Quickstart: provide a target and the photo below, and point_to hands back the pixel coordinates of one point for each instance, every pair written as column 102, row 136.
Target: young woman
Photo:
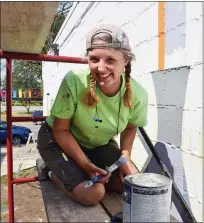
column 91, row 107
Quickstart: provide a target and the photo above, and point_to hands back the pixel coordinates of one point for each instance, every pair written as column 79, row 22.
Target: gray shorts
column 67, row 170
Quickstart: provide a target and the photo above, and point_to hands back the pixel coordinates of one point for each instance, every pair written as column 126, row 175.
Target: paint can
column 147, row 198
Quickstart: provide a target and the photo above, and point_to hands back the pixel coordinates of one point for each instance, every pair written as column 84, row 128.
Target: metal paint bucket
column 147, row 198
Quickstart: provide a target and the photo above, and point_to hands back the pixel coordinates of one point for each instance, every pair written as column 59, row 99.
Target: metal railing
column 11, row 181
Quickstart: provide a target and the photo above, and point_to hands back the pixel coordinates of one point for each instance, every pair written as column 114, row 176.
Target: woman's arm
column 65, row 139
column 126, row 140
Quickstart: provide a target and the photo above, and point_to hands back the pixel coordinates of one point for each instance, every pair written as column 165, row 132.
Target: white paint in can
column 147, row 198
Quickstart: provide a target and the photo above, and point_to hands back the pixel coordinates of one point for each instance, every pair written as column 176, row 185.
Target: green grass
column 4, row 203
column 21, row 114
column 2, row 216
column 23, row 173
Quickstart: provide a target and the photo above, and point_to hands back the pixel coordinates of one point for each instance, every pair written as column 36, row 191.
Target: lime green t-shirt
column 88, row 132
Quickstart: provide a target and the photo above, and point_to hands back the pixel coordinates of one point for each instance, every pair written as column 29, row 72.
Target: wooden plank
column 60, row 208
column 113, row 203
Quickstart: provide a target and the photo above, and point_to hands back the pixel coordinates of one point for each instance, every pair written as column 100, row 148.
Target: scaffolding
column 9, row 56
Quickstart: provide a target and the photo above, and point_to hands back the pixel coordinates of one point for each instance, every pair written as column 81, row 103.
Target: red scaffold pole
column 9, row 139
column 23, row 56
column 41, row 57
column 25, row 180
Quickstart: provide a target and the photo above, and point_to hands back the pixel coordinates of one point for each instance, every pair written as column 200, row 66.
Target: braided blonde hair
column 128, row 91
column 91, row 99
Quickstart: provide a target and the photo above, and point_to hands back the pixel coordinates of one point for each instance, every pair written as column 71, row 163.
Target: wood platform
column 59, row 208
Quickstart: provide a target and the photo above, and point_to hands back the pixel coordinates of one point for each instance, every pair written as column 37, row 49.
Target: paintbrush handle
column 110, row 169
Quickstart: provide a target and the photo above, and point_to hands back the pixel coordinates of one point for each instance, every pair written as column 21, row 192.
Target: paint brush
column 110, row 169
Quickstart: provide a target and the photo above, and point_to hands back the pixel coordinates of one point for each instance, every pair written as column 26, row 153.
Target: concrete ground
column 24, row 155
column 28, row 202
column 21, row 108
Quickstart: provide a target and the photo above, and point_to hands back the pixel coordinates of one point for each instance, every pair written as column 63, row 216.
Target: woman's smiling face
column 106, row 65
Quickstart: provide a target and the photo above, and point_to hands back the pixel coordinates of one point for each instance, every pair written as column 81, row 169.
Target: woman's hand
column 127, row 169
column 93, row 171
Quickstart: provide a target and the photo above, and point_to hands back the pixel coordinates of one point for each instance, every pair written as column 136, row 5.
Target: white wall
column 175, row 99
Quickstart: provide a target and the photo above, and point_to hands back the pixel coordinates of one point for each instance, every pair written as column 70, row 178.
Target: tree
column 28, row 74
column 64, row 7
column 26, row 102
column 3, row 73
column 62, row 11
column 3, row 82
column 2, row 64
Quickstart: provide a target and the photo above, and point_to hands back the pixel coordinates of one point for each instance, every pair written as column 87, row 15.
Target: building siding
column 175, row 91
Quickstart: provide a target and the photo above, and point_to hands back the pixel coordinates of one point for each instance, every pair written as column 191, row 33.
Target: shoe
column 50, row 174
column 45, row 175
column 117, row 218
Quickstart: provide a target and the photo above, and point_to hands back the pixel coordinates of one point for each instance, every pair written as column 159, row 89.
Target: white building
column 164, row 36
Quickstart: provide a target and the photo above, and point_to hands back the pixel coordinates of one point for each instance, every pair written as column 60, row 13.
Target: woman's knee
column 96, row 194
column 89, row 196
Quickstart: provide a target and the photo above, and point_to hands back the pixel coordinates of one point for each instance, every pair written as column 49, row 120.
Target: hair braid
column 128, row 91
column 91, row 98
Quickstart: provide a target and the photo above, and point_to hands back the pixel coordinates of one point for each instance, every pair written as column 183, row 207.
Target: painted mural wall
column 167, row 41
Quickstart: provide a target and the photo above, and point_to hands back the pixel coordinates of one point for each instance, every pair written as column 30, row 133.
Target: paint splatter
column 63, row 175
column 50, row 141
column 60, row 160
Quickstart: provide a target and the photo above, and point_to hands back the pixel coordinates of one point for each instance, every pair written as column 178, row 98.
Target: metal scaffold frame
column 9, row 118
column 11, row 181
